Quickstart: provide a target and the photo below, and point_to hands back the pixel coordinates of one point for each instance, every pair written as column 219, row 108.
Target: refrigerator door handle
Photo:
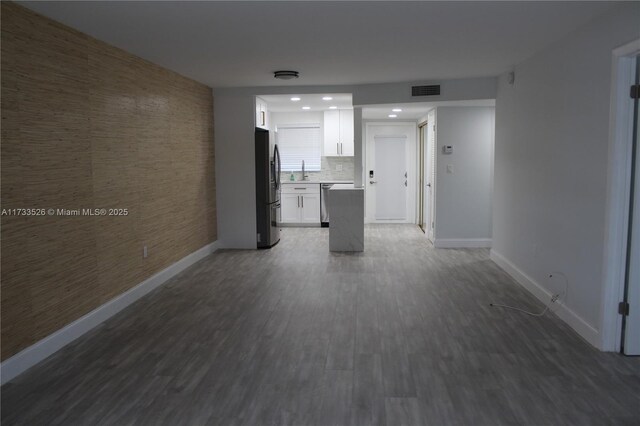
column 278, row 169
column 272, row 164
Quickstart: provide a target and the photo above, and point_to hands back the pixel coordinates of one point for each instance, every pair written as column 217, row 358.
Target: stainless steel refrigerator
column 268, row 168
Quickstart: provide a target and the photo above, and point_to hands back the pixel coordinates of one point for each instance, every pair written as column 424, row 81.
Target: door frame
column 421, row 174
column 425, row 168
column 432, row 168
column 411, row 166
column 618, row 191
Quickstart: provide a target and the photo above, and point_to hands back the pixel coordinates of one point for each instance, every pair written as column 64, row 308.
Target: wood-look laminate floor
column 399, row 335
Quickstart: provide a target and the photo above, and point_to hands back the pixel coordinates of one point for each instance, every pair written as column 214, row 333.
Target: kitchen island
column 346, row 209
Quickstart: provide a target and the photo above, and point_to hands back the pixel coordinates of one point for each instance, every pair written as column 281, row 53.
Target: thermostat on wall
column 447, row 149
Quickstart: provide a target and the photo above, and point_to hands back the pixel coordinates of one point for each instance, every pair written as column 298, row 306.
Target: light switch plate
column 449, row 168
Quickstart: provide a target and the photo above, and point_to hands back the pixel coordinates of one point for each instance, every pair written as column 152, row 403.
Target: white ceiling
column 283, row 103
column 240, row 43
column 415, row 110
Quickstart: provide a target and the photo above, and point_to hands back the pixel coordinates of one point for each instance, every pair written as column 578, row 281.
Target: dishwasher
column 324, row 211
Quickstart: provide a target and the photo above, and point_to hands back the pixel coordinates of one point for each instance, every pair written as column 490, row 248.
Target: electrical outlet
column 449, row 168
column 338, row 167
column 145, row 252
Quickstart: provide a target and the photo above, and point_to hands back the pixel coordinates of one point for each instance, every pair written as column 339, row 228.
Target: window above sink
column 298, row 142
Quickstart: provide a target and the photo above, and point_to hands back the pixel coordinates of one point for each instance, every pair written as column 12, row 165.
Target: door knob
column 428, row 185
column 372, row 181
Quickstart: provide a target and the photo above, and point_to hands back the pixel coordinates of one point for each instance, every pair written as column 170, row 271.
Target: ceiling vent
column 433, row 90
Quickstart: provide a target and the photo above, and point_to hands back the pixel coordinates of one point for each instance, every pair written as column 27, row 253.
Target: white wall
column 424, row 118
column 234, row 132
column 281, row 118
column 464, row 197
column 450, row 90
column 235, row 110
column 551, row 165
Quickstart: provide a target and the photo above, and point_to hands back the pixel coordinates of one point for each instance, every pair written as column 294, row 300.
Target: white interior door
column 431, row 175
column 632, row 321
column 391, row 177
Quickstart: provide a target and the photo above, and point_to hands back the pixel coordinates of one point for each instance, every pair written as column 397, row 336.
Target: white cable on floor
column 521, row 310
column 554, row 299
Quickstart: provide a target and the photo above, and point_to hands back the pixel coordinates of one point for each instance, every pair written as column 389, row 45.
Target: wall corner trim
column 462, row 242
column 584, row 329
column 40, row 350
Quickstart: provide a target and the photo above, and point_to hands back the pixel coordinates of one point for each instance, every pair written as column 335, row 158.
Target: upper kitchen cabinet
column 261, row 114
column 338, row 133
column 346, row 132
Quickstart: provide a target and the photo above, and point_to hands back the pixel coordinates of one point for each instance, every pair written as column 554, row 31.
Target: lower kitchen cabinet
column 290, row 208
column 300, row 204
column 310, row 208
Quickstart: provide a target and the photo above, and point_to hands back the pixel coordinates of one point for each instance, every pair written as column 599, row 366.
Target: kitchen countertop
column 297, row 182
column 345, row 186
column 338, row 182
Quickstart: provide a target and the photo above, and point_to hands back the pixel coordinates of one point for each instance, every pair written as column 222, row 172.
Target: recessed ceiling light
column 392, row 116
column 306, row 107
column 327, row 98
column 295, row 99
column 333, row 107
column 396, row 110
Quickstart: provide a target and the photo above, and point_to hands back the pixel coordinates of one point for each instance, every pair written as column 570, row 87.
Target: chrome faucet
column 304, row 175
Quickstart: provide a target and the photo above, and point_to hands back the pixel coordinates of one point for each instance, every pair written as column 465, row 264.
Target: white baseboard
column 583, row 328
column 40, row 350
column 462, row 242
column 368, row 221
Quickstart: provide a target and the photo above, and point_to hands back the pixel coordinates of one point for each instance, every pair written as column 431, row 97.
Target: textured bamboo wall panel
column 86, row 125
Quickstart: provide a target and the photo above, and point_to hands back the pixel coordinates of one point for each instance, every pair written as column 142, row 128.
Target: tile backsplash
column 328, row 170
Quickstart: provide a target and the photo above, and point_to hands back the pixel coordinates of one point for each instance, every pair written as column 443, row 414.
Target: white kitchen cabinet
column 331, row 133
column 310, row 208
column 338, row 133
column 289, row 208
column 261, row 114
column 346, row 132
column 300, row 204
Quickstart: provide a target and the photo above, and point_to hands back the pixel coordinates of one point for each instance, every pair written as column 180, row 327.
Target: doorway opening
column 390, row 173
column 417, row 121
